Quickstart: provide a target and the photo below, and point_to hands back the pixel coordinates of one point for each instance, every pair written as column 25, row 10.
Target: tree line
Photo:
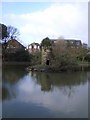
column 61, row 56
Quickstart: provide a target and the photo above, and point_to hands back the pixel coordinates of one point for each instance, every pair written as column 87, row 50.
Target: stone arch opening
column 47, row 62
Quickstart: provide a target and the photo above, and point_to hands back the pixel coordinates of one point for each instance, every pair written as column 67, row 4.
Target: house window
column 77, row 43
column 72, row 42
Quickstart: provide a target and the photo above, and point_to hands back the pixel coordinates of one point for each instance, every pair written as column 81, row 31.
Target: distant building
column 33, row 48
column 85, row 45
column 46, row 52
column 74, row 43
column 69, row 42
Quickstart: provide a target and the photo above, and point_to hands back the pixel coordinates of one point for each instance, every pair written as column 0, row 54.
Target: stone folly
column 45, row 56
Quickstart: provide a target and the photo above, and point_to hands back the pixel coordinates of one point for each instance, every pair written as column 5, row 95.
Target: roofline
column 65, row 39
column 17, row 41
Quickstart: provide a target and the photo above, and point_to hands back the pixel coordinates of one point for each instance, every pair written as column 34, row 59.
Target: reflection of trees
column 88, row 74
column 45, row 83
column 69, row 91
column 7, row 91
column 11, row 75
column 65, row 81
column 0, row 93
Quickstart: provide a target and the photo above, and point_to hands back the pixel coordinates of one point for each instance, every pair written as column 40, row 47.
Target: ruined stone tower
column 45, row 55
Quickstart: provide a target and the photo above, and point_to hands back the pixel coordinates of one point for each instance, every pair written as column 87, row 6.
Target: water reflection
column 10, row 76
column 48, row 81
column 44, row 94
column 12, row 73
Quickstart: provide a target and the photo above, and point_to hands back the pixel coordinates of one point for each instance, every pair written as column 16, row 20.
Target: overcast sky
column 37, row 20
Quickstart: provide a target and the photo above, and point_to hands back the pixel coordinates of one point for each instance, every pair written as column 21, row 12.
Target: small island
column 58, row 55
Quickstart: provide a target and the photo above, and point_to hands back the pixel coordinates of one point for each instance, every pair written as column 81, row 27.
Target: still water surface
column 44, row 95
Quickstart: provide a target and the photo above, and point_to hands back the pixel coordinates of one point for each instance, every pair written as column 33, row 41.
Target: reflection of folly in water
column 63, row 81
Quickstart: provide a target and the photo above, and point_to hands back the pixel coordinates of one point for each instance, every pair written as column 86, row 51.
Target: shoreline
column 37, row 68
column 16, row 63
column 80, row 67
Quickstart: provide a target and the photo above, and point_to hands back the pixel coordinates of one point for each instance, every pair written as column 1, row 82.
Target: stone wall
column 45, row 55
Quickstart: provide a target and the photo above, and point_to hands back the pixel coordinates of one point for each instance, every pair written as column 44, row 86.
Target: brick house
column 13, row 45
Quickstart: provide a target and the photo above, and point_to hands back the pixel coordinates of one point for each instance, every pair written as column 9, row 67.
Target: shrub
column 18, row 56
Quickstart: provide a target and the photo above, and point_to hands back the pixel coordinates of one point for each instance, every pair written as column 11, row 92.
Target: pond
column 44, row 95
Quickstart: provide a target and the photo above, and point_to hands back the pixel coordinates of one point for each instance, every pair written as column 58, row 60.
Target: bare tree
column 59, row 48
column 12, row 32
column 61, row 37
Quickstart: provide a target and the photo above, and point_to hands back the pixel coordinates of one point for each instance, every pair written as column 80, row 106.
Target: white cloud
column 67, row 19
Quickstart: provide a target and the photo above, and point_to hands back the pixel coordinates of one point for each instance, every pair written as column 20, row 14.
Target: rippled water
column 44, row 95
